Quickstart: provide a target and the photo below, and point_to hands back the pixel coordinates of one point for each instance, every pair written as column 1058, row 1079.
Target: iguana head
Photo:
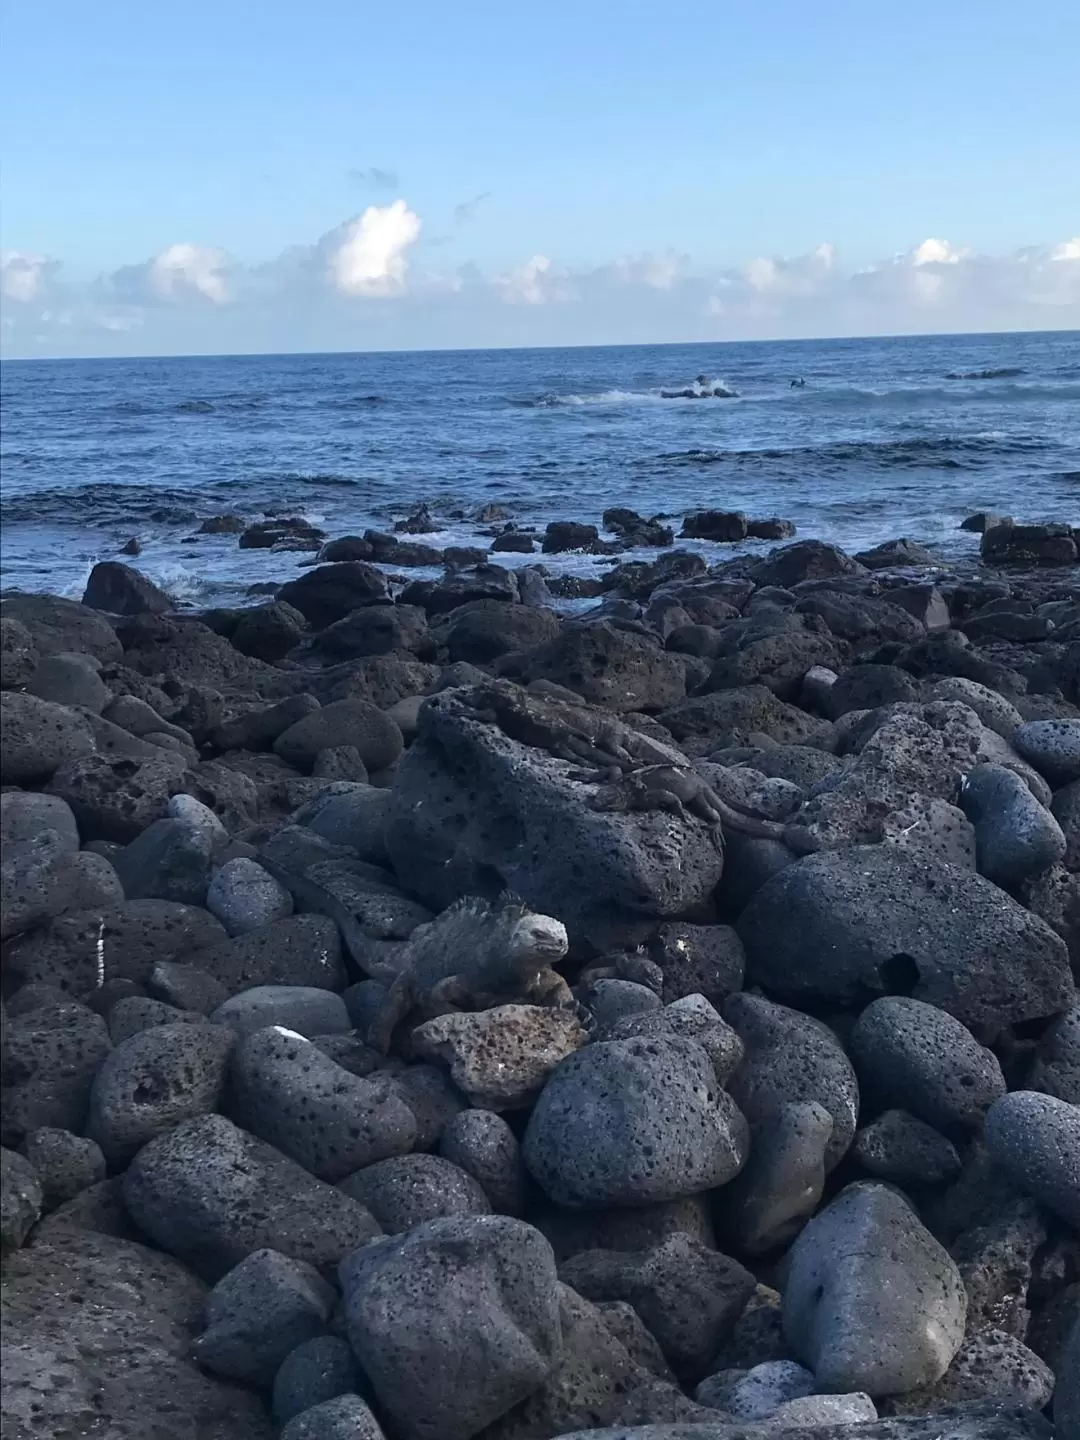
column 538, row 939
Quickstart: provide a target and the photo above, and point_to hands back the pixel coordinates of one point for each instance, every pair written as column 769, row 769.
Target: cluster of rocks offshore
column 430, row 1014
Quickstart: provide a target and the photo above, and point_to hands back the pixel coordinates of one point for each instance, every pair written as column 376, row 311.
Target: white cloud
column 534, row 283
column 186, row 267
column 22, row 276
column 936, row 252
column 371, row 258
column 1067, row 250
column 657, row 272
column 800, row 276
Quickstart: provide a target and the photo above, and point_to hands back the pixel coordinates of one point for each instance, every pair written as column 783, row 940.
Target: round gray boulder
column 1016, row 838
column 455, row 1323
column 245, row 897
column 358, row 723
column 1036, row 1140
column 1053, row 747
column 872, row 1302
column 37, row 737
column 482, row 1144
column 406, row 1190
column 632, row 1122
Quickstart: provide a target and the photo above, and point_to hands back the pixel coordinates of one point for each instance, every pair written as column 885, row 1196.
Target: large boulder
column 71, row 680
column 62, row 627
column 805, row 560
column 18, row 653
column 474, row 810
column 97, row 1335
column 210, row 1194
column 872, row 1302
column 634, row 1122
column 872, row 919
column 618, row 669
column 1035, row 1139
column 485, row 629
column 37, row 737
column 120, row 590
column 455, row 1323
column 707, row 721
column 116, row 799
column 374, row 736
column 328, row 592
column 1028, row 545
column 51, row 1054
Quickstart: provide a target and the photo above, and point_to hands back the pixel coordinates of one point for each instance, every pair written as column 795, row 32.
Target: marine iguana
column 686, row 793
column 471, row 957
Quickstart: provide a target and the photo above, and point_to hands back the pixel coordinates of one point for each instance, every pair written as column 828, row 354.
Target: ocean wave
column 351, row 402
column 664, row 396
column 194, row 407
column 1000, row 372
column 106, row 505
column 950, row 452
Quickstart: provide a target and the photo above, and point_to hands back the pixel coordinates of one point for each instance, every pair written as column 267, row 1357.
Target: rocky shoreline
column 432, row 1010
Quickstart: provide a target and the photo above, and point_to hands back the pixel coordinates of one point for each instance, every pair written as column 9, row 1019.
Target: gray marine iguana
column 471, row 957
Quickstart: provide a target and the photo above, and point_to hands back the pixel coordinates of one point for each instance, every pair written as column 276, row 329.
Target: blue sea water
column 887, row 437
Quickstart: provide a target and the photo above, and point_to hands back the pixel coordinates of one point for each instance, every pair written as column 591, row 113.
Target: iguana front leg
column 548, row 987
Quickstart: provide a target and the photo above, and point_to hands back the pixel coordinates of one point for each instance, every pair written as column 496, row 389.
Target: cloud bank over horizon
column 368, row 284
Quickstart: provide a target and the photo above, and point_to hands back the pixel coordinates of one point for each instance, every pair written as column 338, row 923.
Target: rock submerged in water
column 668, row 1129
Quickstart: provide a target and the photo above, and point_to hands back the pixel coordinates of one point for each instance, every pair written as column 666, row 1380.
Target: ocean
column 884, row 437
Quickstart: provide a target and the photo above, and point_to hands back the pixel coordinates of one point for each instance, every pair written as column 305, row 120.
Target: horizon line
column 500, row 349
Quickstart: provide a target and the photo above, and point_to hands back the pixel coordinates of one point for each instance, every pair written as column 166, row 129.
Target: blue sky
column 241, row 140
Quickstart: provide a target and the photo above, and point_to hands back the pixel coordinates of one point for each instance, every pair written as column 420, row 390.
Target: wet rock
column 120, row 590
column 704, row 960
column 805, row 560
column 1056, row 1069
column 629, row 1122
column 65, row 1164
column 245, row 897
column 407, row 1190
column 51, row 1055
column 1035, row 1139
column 306, row 1009
column 20, row 1200
column 792, row 1057
column 459, row 587
column 346, row 547
column 563, row 535
column 170, row 860
column 482, row 1144
column 447, row 1360
column 1053, row 747
column 223, row 525
column 97, row 1333
column 317, row 1370
column 915, row 1057
column 772, row 1198
column 346, row 1417
column 300, row 950
column 70, row 680
column 18, row 654
column 269, row 632
column 288, row 1093
column 907, row 1152
column 345, row 722
column 893, row 553
column 513, row 541
column 259, row 1312
column 62, row 627
column 210, row 1194
column 872, row 1301
column 116, row 799
column 1016, row 838
column 328, row 592
column 279, row 530
column 721, row 525
column 500, row 1058
column 688, row 1295
column 1028, row 545
column 845, row 923
column 38, row 737
column 154, row 1081
column 771, row 528
column 615, row 668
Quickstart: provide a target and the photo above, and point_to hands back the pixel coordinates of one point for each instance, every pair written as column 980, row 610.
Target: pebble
column 245, row 897
column 305, row 1009
column 872, row 1302
column 153, row 1081
column 912, row 1056
column 287, row 1092
column 629, row 1122
column 210, row 1194
column 449, row 1359
column 318, row 1370
column 406, row 1190
column 258, row 1313
column 1035, row 1139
